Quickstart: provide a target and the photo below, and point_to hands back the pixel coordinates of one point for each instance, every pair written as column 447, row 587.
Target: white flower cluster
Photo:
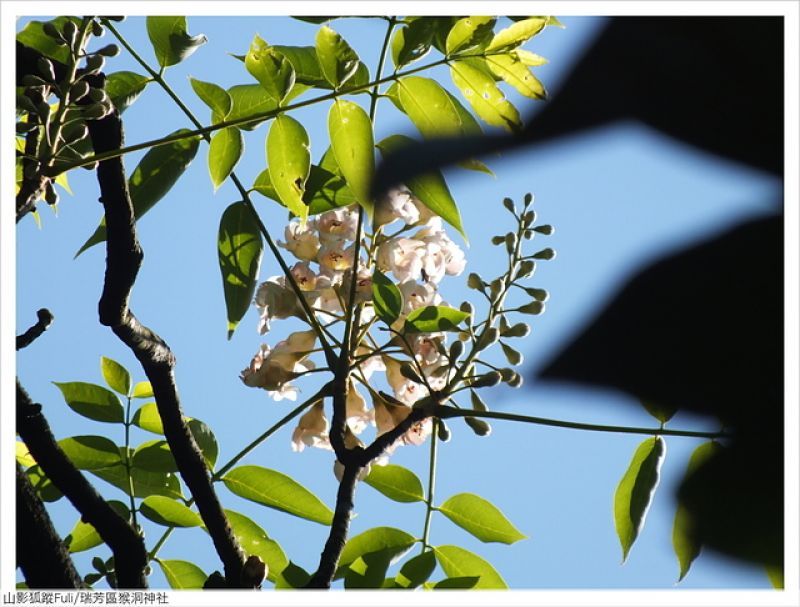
column 325, row 248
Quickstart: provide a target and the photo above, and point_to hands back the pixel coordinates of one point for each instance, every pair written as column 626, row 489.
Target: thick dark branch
column 127, row 545
column 42, row 556
column 26, row 339
column 123, row 259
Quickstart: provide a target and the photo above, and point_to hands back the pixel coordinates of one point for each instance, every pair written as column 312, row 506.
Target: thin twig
column 45, row 318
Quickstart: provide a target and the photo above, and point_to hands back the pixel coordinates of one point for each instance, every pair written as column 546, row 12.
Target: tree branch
column 123, row 259
column 127, row 545
column 26, row 339
column 41, row 554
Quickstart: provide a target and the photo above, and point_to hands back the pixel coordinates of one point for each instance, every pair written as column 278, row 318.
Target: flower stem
column 431, row 486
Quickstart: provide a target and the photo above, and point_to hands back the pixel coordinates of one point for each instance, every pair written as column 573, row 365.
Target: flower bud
column 70, row 31
column 535, row 307
column 79, row 90
column 508, row 204
column 443, row 431
column 475, row 282
column 512, row 356
column 526, row 269
column 489, row 336
column 94, row 112
column 547, row 253
column 456, row 350
column 528, row 218
column 492, row 378
column 45, row 67
column 407, row 371
column 215, row 581
column 467, row 308
column 77, row 134
column 95, row 63
column 519, row 329
column 539, row 294
column 51, row 30
column 50, row 194
column 507, row 374
column 498, row 240
column 495, row 286
column 110, row 50
column 97, row 29
column 528, row 199
column 97, row 95
column 253, row 572
column 546, row 229
column 516, row 381
column 477, row 401
column 527, row 234
column 511, row 242
column 479, row 427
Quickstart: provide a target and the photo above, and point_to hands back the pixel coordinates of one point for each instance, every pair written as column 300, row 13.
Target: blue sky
column 618, row 197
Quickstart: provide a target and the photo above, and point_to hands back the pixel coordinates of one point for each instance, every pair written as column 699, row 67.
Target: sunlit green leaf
column 337, row 60
column 124, row 87
column 396, row 482
column 271, row 68
column 305, row 63
column 481, row 518
column 23, row 456
column 468, row 33
column 145, row 482
column 171, row 42
column 92, row 401
column 369, row 570
column 466, row 582
column 254, row 540
column 459, row 563
column 431, row 319
column 157, row 172
column 516, row 34
column 240, row 249
column 416, row 571
column 116, row 376
column 154, row 456
column 352, row 142
column 276, row 490
column 289, row 162
column 387, row 300
column 635, row 491
column 85, row 537
column 684, row 540
column 483, row 94
column 441, row 29
column 529, row 58
column 661, row 412
column 517, row 74
column 148, row 418
column 143, row 389
column 248, row 100
column 411, row 42
column 182, row 575
column 215, row 97
column 43, row 486
column 33, row 36
column 377, row 539
column 90, row 452
column 224, row 152
column 430, row 107
column 169, row 512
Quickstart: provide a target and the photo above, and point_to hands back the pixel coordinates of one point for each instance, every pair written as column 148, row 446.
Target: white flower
column 274, row 300
column 338, row 223
column 405, row 390
column 334, row 255
column 312, row 429
column 401, row 256
column 416, row 295
column 301, row 241
column 442, row 255
column 304, row 276
column 272, row 370
column 357, row 414
column 396, row 204
column 369, row 365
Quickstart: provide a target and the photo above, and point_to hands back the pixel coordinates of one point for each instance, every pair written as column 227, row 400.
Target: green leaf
column 368, row 570
column 483, row 94
column 480, row 518
column 289, row 162
column 92, row 401
column 468, row 33
column 684, row 539
column 662, row 413
column 43, row 486
column 337, row 60
column 412, row 42
column 377, row 539
column 148, row 418
column 254, row 540
column 430, row 188
column 124, row 88
column 205, row 439
column 416, row 571
column 441, row 29
column 171, row 42
column 271, row 68
column 157, row 172
column 145, row 482
column 387, row 301
column 169, row 512
column 516, row 34
column 276, row 490
column 90, row 452
column 305, row 63
column 529, row 58
column 215, row 97
column 396, row 482
column 224, row 152
column 240, row 249
column 154, row 456
column 431, row 319
column 116, row 376
column 457, row 583
column 430, row 107
column 517, row 74
column 33, row 36
column 353, row 146
column 459, row 563
column 23, row 456
column 292, row 576
column 182, row 575
column 775, row 576
column 85, row 537
column 635, row 491
column 248, row 100
column 143, row 389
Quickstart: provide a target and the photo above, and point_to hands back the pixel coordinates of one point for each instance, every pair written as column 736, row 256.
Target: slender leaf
column 396, row 482
column 205, row 439
column 145, row 482
column 480, row 518
column 92, row 401
column 387, row 300
column 224, row 152
column 124, row 88
column 289, row 162
column 156, row 173
column 684, row 540
column 468, row 33
column 215, row 97
column 182, row 575
column 635, row 491
column 431, row 319
column 154, row 456
column 90, row 452
column 271, row 68
column 240, row 249
column 430, row 107
column 412, row 42
column 337, row 60
column 529, row 58
column 143, row 389
column 276, row 490
column 459, row 563
column 483, row 94
column 169, row 512
column 148, row 418
column 254, row 540
column 416, row 571
column 516, row 34
column 116, row 376
column 171, row 42
column 85, row 537
column 517, row 74
column 377, row 539
column 353, row 146
column 23, row 456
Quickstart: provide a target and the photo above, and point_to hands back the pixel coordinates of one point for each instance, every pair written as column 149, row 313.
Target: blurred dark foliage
column 702, row 329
